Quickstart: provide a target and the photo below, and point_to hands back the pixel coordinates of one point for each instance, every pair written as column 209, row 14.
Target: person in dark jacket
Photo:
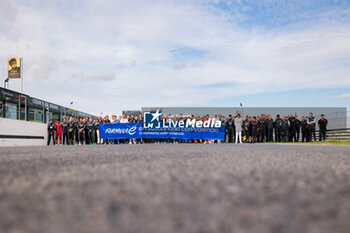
column 86, row 131
column 269, row 128
column 229, row 129
column 322, row 124
column 51, row 129
column 81, row 131
column 262, row 128
column 64, row 132
column 285, row 129
column 297, row 127
column 90, row 127
column 304, row 130
column 311, row 122
column 71, row 131
column 292, row 128
column 245, row 129
column 254, row 126
column 278, row 128
column 76, row 134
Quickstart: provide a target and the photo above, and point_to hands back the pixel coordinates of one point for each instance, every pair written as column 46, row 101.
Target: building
column 15, row 105
column 337, row 116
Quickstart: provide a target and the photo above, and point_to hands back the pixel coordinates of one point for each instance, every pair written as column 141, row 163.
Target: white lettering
column 199, row 124
column 181, row 124
column 217, row 124
column 190, row 123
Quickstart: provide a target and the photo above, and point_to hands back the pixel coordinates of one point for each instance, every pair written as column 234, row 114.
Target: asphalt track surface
column 175, row 188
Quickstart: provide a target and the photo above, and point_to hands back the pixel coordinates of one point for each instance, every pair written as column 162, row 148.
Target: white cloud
column 96, row 77
column 342, row 96
column 82, row 46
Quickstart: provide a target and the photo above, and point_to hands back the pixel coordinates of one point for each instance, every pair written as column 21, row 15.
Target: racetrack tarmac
column 169, row 188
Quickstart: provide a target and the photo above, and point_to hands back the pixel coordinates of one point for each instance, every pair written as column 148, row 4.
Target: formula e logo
column 151, row 119
column 132, row 130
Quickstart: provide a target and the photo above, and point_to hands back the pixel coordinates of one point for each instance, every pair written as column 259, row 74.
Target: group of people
column 250, row 129
column 264, row 128
column 83, row 131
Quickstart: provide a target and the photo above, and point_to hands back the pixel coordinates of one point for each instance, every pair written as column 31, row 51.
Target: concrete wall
column 22, row 133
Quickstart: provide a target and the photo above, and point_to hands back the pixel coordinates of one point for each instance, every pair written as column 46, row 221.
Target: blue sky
column 108, row 56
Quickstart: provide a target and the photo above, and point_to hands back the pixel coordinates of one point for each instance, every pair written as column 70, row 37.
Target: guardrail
column 338, row 134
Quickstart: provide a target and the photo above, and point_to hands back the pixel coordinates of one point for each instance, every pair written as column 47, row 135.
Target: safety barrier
column 338, row 134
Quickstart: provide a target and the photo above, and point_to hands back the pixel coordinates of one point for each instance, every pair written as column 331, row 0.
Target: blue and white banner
column 164, row 131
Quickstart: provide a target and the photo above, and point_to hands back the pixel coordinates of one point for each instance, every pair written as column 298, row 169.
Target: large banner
column 136, row 130
column 14, row 67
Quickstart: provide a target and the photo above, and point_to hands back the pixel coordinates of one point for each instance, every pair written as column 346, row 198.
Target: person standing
column 58, row 131
column 304, row 129
column 311, row 122
column 71, row 131
column 229, row 129
column 124, row 119
column 254, row 126
column 322, row 125
column 65, row 131
column 278, row 128
column 81, row 131
column 238, row 126
column 76, row 134
column 285, row 128
column 297, row 127
column 292, row 128
column 86, row 132
column 98, row 122
column 262, row 126
column 223, row 122
column 245, row 129
column 269, row 127
column 90, row 131
column 51, row 128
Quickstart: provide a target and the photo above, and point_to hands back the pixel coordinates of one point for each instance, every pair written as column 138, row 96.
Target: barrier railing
column 338, row 134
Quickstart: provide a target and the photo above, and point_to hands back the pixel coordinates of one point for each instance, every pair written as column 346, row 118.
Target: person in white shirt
column 238, row 126
column 114, row 119
column 124, row 119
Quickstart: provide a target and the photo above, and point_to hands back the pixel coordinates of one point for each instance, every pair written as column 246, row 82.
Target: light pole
column 70, row 108
column 6, row 83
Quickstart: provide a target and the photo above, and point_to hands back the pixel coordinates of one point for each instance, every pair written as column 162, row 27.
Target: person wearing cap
column 322, row 124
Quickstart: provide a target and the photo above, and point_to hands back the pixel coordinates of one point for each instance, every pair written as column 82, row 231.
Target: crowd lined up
column 250, row 129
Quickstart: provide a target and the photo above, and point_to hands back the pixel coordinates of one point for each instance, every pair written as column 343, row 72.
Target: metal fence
column 338, row 134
